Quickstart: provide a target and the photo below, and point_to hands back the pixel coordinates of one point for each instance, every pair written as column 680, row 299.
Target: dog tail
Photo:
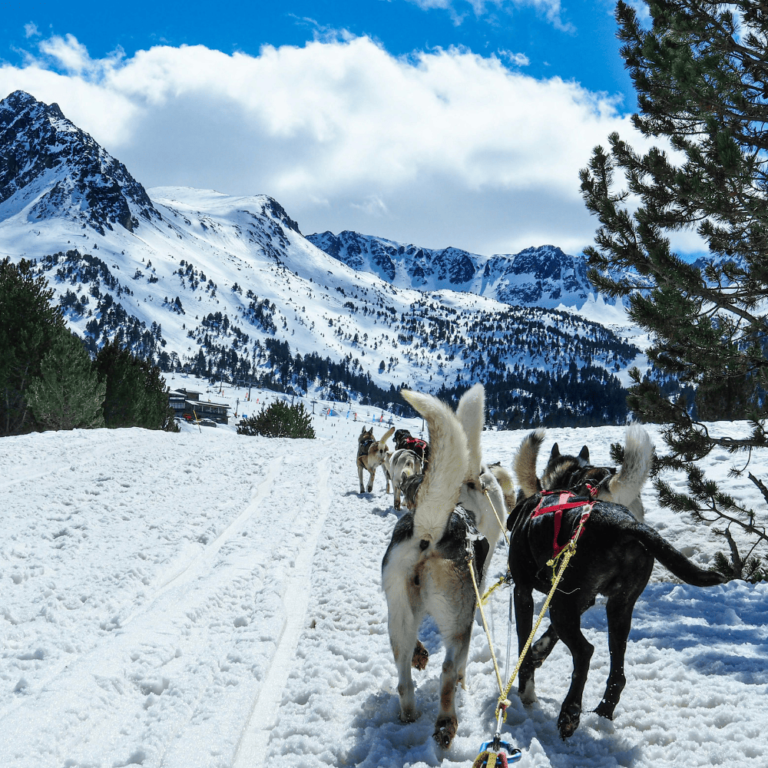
column 625, row 486
column 504, row 478
column 524, row 463
column 674, row 560
column 471, row 414
column 387, row 435
column 439, row 491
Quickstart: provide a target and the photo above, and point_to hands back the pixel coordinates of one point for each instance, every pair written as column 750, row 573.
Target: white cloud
column 515, row 59
column 549, row 8
column 30, row 30
column 440, row 148
column 67, row 53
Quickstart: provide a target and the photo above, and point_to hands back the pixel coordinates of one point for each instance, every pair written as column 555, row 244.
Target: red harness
column 415, row 445
column 566, row 500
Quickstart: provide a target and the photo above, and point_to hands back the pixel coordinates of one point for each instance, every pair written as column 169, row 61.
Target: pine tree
column 136, row 395
column 279, row 420
column 68, row 394
column 29, row 322
column 700, row 75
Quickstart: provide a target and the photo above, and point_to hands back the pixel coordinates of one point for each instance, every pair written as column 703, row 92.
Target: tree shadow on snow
column 680, row 617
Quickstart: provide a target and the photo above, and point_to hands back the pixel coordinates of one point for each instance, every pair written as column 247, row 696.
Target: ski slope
column 209, row 600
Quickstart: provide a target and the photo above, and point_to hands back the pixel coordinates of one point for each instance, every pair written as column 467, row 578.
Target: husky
column 404, row 439
column 426, row 569
column 404, row 463
column 614, row 557
column 573, row 472
column 371, row 454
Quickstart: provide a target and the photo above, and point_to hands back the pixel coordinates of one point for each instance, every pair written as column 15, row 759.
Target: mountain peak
column 49, row 168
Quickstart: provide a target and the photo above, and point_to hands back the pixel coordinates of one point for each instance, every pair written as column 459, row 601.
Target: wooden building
column 188, row 405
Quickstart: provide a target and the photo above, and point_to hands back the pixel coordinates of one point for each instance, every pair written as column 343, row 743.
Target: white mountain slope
column 228, row 286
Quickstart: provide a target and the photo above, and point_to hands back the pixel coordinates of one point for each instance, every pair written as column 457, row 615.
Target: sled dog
column 404, row 439
column 404, row 463
column 572, row 472
column 425, row 568
column 614, row 557
column 371, row 454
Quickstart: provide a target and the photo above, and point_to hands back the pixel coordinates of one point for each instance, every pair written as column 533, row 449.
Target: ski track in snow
column 209, row 600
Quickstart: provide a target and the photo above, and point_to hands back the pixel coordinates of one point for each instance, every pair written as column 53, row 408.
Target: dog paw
column 605, row 710
column 527, row 693
column 568, row 721
column 445, row 730
column 409, row 716
column 420, row 656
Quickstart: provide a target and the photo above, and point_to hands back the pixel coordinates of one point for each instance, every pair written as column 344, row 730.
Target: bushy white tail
column 524, row 463
column 626, row 484
column 448, row 464
column 471, row 414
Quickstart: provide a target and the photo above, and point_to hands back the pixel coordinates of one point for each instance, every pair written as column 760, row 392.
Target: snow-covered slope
column 227, row 286
column 206, row 600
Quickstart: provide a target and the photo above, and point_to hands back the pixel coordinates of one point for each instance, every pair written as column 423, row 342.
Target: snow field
column 206, row 599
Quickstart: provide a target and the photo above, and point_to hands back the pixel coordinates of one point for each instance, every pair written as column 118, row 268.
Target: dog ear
column 555, row 452
column 584, row 454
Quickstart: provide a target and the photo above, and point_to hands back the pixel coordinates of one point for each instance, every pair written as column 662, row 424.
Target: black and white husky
column 426, row 569
column 573, row 472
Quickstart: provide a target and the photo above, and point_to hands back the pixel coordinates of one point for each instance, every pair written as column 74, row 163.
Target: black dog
column 404, row 439
column 614, row 557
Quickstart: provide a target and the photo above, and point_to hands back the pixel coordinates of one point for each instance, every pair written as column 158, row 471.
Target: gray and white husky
column 425, row 569
column 403, row 463
column 573, row 472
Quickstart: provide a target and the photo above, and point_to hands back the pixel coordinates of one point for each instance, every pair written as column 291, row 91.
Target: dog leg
column 360, row 477
column 403, row 631
column 396, row 490
column 565, row 615
column 526, row 686
column 420, row 656
column 619, row 616
column 371, row 475
column 618, row 611
column 456, row 630
column 541, row 649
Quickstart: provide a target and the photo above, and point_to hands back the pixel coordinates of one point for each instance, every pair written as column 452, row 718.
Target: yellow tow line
column 566, row 554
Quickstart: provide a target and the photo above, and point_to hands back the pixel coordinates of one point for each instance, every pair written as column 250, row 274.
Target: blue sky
column 437, row 122
column 577, row 43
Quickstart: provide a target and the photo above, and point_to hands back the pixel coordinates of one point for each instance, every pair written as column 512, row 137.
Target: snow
column 207, row 599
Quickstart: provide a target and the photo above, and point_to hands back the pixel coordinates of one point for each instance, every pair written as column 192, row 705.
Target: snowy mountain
column 542, row 277
column 227, row 287
column 49, row 168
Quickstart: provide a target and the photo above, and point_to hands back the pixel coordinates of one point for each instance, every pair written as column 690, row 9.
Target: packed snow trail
column 208, row 600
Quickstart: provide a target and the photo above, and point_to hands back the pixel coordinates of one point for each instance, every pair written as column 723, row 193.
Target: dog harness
column 415, row 444
column 559, row 501
column 364, row 447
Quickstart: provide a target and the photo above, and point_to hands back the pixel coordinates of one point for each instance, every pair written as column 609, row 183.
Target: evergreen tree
column 700, row 74
column 68, row 394
column 136, row 395
column 29, row 323
column 279, row 420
